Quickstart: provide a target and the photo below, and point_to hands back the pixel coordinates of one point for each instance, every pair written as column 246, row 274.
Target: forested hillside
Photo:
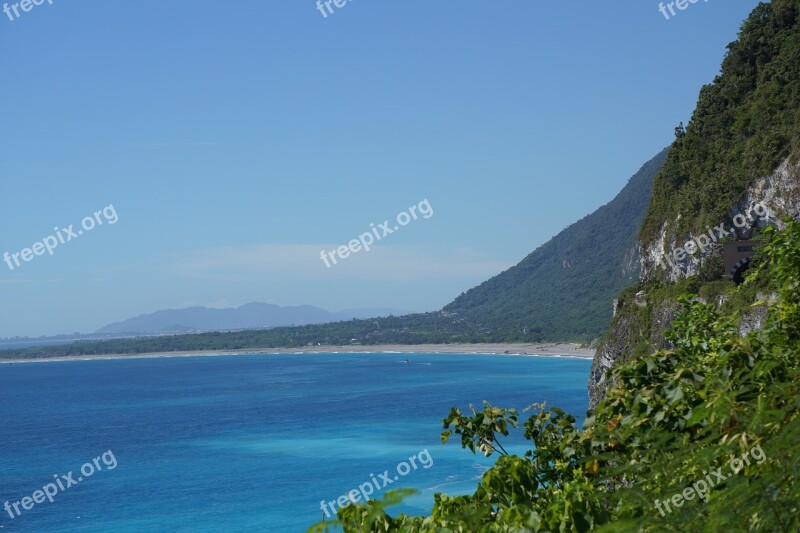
column 746, row 122
column 564, row 289
column 741, row 148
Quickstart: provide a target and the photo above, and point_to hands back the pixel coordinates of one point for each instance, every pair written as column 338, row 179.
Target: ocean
column 248, row 443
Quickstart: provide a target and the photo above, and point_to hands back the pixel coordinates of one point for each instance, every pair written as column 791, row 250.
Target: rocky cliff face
column 766, row 202
column 640, row 323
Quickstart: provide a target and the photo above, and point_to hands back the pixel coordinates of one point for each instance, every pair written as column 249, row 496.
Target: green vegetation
column 434, row 328
column 647, row 309
column 746, row 122
column 411, row 329
column 673, row 419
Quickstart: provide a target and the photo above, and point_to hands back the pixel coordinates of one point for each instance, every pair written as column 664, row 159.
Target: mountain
column 564, row 290
column 249, row 316
column 736, row 166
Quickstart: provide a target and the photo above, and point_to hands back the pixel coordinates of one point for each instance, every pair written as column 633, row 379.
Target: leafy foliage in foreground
column 673, row 417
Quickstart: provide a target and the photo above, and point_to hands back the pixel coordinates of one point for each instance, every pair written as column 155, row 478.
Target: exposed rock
column 779, row 193
column 753, row 320
column 641, row 327
column 633, row 327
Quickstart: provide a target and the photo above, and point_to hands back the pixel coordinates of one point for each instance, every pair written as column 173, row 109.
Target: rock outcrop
column 640, row 323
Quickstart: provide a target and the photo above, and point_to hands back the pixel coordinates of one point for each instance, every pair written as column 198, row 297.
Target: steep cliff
column 734, row 170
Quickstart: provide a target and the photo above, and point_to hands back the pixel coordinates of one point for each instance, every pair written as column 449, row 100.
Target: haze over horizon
column 236, row 144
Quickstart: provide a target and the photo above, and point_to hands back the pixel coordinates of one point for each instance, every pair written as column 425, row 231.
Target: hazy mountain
column 562, row 291
column 249, row 316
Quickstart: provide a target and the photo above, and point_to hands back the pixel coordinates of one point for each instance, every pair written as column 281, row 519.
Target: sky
column 230, row 143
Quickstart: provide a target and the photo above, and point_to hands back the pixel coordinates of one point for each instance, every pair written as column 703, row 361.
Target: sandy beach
column 545, row 349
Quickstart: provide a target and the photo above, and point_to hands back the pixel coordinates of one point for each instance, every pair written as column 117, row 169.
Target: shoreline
column 519, row 349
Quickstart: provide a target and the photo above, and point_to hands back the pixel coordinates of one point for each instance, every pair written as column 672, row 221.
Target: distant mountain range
column 562, row 291
column 249, row 316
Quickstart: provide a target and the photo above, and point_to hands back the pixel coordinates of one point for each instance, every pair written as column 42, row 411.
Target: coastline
column 542, row 349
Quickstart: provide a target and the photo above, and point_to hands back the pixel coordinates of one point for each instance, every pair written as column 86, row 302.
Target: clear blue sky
column 237, row 139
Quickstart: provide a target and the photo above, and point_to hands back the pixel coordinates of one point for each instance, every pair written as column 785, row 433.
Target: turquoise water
column 248, row 443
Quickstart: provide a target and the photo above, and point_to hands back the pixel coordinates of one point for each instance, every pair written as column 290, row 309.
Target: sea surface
column 248, row 443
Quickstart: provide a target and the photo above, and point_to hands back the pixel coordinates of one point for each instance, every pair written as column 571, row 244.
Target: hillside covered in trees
column 564, row 289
